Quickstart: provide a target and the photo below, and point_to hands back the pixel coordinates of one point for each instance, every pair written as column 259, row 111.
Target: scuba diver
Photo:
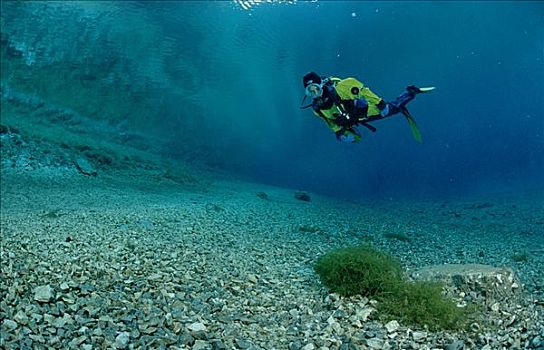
column 343, row 104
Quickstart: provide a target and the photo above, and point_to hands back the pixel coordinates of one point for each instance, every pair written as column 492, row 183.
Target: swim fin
column 426, row 89
column 419, row 90
column 413, row 126
column 412, row 123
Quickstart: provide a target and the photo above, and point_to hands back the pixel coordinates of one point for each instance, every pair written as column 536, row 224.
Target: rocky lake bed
column 129, row 253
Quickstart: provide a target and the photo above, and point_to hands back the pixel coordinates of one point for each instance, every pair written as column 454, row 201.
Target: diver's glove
column 346, row 137
column 349, row 120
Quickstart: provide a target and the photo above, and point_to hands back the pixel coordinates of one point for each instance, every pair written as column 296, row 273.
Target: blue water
column 223, row 83
column 482, row 127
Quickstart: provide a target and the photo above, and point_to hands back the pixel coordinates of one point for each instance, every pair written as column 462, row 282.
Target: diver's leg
column 388, row 109
column 403, row 99
column 399, row 103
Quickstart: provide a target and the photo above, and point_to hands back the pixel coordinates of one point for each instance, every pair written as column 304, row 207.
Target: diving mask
column 314, row 90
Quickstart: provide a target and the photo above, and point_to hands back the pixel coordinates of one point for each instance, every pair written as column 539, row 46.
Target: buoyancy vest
column 345, row 90
column 352, row 89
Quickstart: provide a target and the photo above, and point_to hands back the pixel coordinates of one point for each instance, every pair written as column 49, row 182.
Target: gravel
column 125, row 260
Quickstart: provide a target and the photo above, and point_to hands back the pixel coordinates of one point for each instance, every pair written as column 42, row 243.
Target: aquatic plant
column 358, row 270
column 423, row 303
column 366, row 271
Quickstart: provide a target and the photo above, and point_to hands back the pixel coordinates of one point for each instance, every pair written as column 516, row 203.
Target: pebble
column 364, row 313
column 295, row 345
column 418, row 336
column 147, row 224
column 392, row 326
column 37, row 338
column 242, row 344
column 60, row 322
column 375, row 343
column 21, row 318
column 218, row 345
column 252, row 278
column 197, row 327
column 201, row 345
column 121, row 341
column 537, row 341
column 9, row 325
column 78, row 341
column 43, row 294
column 49, row 319
column 309, row 346
column 456, row 345
column 85, row 167
column 294, row 313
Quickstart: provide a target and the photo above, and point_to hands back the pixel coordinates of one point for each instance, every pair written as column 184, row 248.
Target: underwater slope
column 131, row 257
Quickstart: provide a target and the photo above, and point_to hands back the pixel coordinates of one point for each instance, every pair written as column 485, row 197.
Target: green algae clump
column 422, row 303
column 365, row 271
column 358, row 270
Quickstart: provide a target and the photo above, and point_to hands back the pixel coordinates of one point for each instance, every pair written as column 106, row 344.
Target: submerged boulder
column 302, row 196
column 85, row 167
column 484, row 282
column 262, row 195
